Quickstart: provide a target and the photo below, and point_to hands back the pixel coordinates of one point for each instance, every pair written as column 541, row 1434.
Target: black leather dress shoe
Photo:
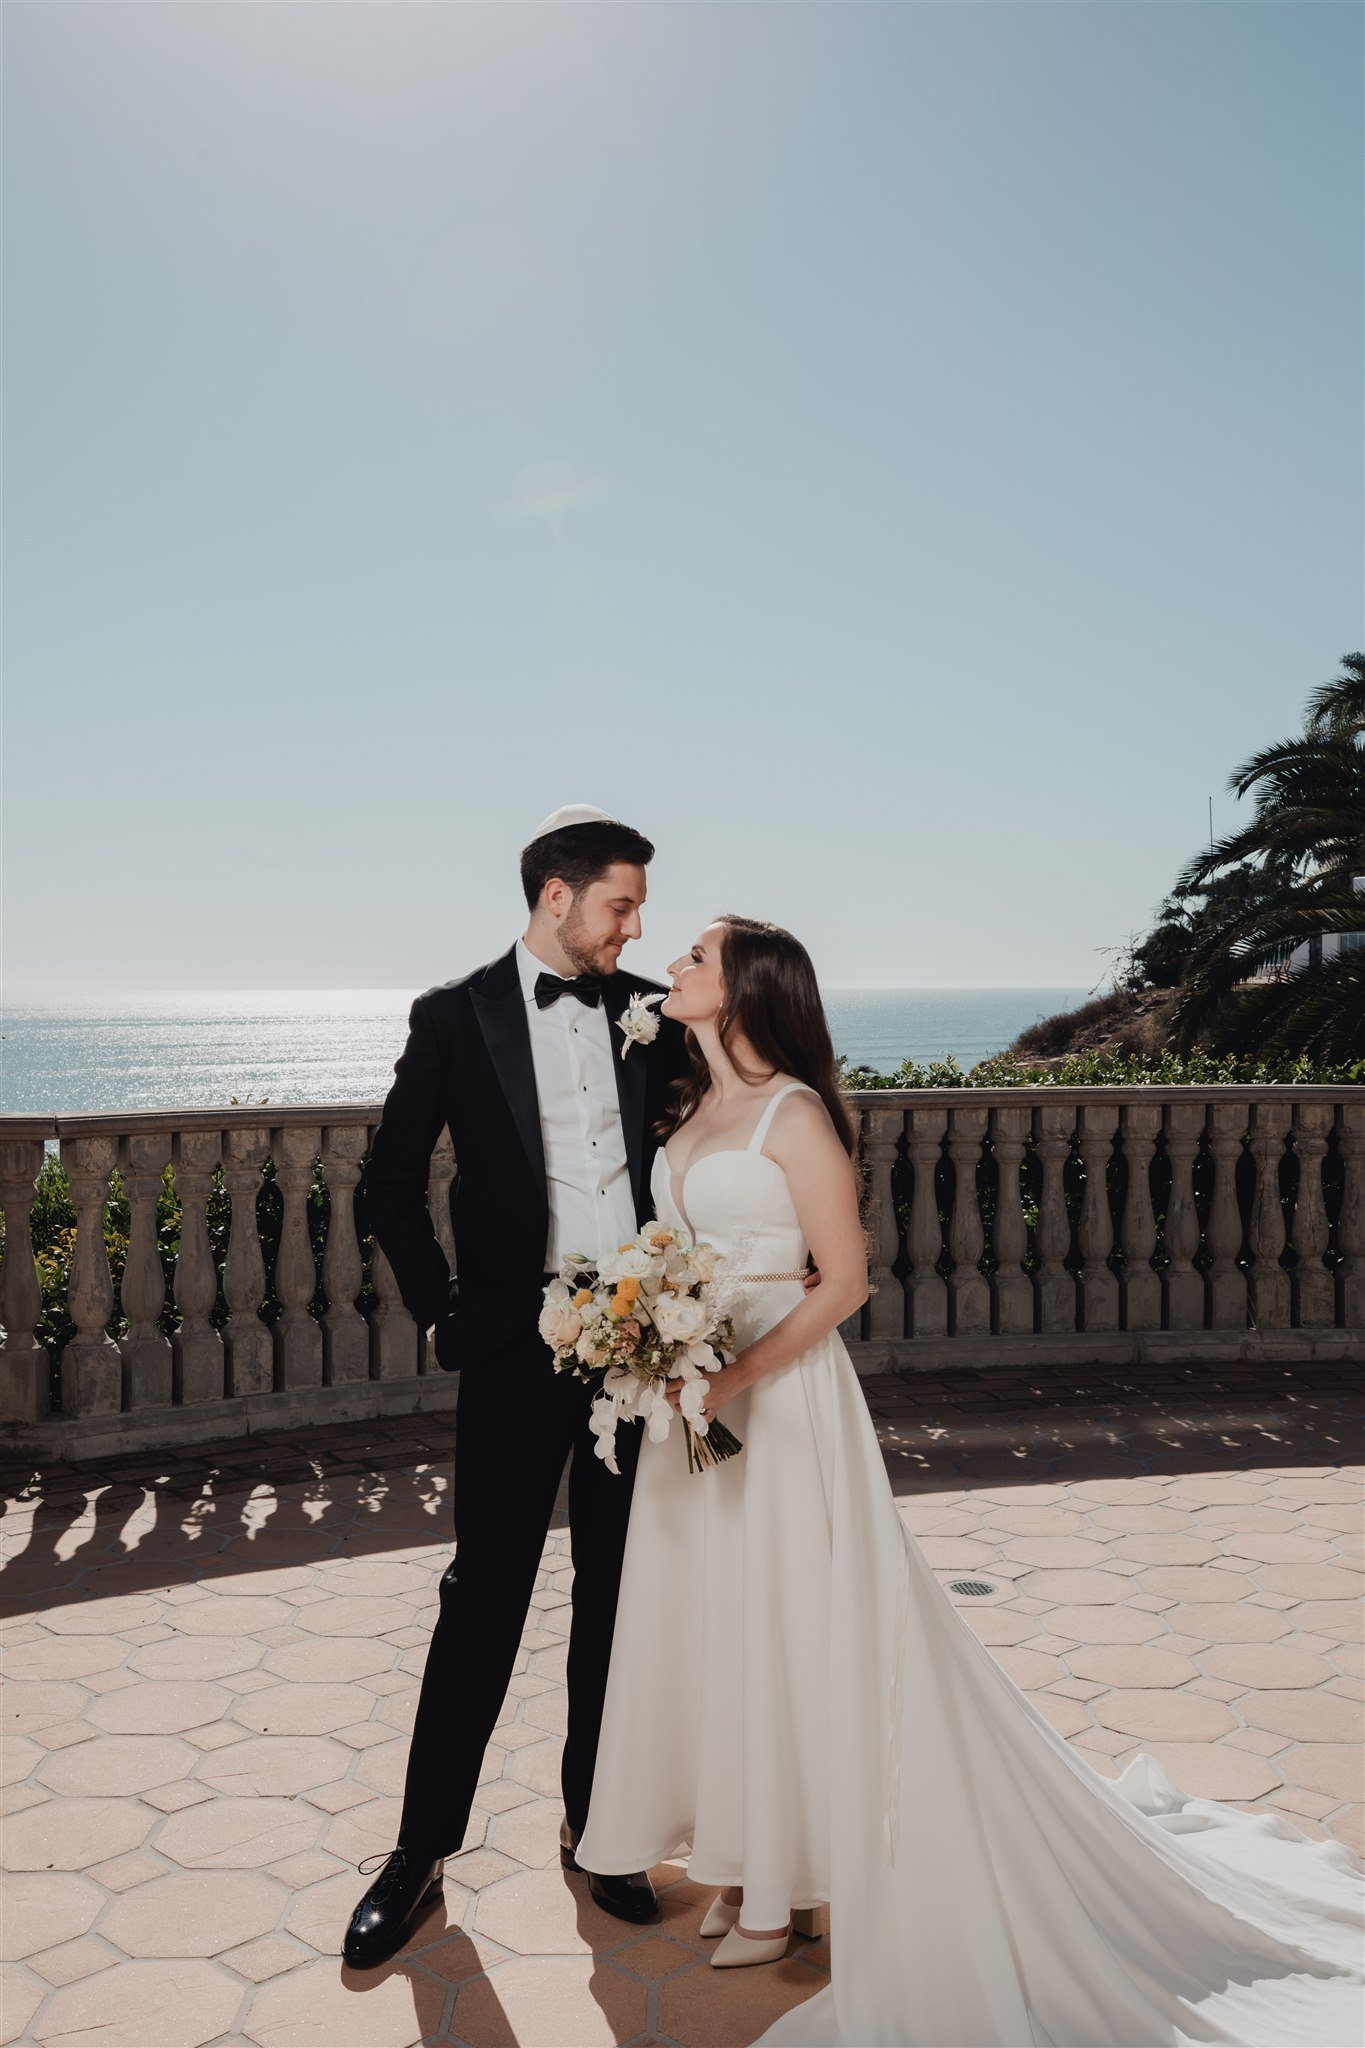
column 387, row 1914
column 630, row 1897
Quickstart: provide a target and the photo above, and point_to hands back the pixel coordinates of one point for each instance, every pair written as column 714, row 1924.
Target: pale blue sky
column 901, row 456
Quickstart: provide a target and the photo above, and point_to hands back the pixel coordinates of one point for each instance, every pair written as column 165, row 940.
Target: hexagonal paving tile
column 1226, row 1621
column 1265, row 1665
column 1211, row 1770
column 179, row 2004
column 1104, row 1624
column 325, row 1660
column 1079, row 1588
column 358, row 1614
column 1305, row 1716
column 373, row 1575
column 64, row 1657
column 194, row 1658
column 112, row 1617
column 228, row 1614
column 694, row 2008
column 39, row 1704
column 540, row 1912
column 1311, row 1581
column 549, row 2001
column 1058, row 1553
column 158, row 1707
column 303, row 1709
column 43, row 1907
column 1165, row 1716
column 117, row 1766
column 1335, row 1769
column 74, row 1834
column 280, row 1765
column 20, row 1996
column 323, row 2007
column 1138, row 1664
column 193, row 1913
column 238, row 1834
column 1202, row 1583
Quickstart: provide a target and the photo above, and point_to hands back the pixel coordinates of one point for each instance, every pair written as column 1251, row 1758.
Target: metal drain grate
column 972, row 1589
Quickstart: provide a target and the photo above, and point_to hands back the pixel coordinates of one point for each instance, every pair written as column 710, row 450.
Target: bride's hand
column 721, row 1388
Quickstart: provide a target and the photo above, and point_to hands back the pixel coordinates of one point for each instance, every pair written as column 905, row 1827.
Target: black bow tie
column 549, row 988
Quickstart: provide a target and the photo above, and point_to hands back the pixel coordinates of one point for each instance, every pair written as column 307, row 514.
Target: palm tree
column 1306, row 846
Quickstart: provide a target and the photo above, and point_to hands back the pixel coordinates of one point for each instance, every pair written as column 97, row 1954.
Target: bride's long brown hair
column 772, row 1000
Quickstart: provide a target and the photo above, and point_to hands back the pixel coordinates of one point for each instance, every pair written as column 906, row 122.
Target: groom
column 553, row 1132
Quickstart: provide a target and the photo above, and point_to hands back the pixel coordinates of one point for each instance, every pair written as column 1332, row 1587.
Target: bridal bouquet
column 655, row 1311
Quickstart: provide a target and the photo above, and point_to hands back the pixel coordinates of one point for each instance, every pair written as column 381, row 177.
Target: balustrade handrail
column 95, row 1123
column 1027, row 1224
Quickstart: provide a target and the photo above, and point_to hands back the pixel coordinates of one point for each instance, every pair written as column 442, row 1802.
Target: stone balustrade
column 1018, row 1226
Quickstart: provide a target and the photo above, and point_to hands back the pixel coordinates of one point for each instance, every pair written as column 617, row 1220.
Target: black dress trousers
column 517, row 1422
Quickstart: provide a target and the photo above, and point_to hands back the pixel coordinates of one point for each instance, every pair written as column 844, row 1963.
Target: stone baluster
column 969, row 1294
column 1268, row 1291
column 1056, row 1287
column 1010, row 1284
column 345, row 1333
column 442, row 1173
column 1099, row 1287
column 1227, row 1282
column 882, row 1129
column 925, row 1285
column 397, row 1346
column 23, row 1360
column 200, row 1360
column 395, row 1335
column 298, row 1336
column 92, row 1369
column 1140, row 1290
column 1182, row 1284
column 148, row 1361
column 1312, row 1287
column 250, row 1346
column 1351, row 1222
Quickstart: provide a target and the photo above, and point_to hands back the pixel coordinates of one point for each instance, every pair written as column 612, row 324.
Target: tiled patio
column 213, row 1657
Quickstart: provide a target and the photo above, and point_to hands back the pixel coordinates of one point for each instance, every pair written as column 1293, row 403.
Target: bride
column 792, row 1694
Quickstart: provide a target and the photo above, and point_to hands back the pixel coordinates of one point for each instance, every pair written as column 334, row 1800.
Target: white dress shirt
column 587, row 1174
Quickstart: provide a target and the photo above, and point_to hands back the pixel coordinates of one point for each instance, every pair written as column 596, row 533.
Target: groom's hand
column 812, row 1279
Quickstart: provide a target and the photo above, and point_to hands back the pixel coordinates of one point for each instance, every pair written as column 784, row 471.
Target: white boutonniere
column 638, row 1022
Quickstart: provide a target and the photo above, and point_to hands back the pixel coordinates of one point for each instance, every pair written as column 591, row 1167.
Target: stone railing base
column 1114, row 1347
column 87, row 1440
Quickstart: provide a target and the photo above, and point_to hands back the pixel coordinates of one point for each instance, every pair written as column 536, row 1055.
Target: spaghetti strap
column 755, row 1143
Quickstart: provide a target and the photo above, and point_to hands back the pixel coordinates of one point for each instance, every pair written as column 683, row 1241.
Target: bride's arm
column 824, row 1189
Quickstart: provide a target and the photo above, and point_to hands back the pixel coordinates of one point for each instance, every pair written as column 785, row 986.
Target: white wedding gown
column 793, row 1695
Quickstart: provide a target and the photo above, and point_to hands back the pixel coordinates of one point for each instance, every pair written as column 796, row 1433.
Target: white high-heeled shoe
column 720, row 1918
column 739, row 1949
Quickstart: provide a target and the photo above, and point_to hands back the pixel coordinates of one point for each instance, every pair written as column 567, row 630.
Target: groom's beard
column 583, row 956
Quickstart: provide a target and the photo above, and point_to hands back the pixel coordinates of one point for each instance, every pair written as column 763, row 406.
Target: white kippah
column 570, row 814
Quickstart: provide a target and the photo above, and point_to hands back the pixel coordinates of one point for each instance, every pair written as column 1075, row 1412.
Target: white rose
column 679, row 1318
column 560, row 1323
column 704, row 1262
column 588, row 1350
column 630, row 1263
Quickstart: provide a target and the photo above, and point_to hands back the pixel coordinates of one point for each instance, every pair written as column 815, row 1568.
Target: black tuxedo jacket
column 467, row 1065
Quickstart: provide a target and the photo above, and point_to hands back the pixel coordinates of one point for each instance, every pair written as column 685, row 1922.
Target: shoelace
column 381, row 1861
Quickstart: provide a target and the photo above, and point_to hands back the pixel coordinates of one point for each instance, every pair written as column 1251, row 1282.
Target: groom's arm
column 396, row 1176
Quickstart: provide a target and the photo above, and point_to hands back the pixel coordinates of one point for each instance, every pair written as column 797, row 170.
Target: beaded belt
column 772, row 1276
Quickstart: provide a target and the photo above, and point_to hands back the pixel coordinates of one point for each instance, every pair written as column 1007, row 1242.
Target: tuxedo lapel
column 500, row 1008
column 630, row 1085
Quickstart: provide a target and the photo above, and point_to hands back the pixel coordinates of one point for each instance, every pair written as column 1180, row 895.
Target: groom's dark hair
column 579, row 854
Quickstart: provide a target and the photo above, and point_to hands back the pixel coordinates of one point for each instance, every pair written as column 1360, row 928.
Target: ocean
column 180, row 1049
